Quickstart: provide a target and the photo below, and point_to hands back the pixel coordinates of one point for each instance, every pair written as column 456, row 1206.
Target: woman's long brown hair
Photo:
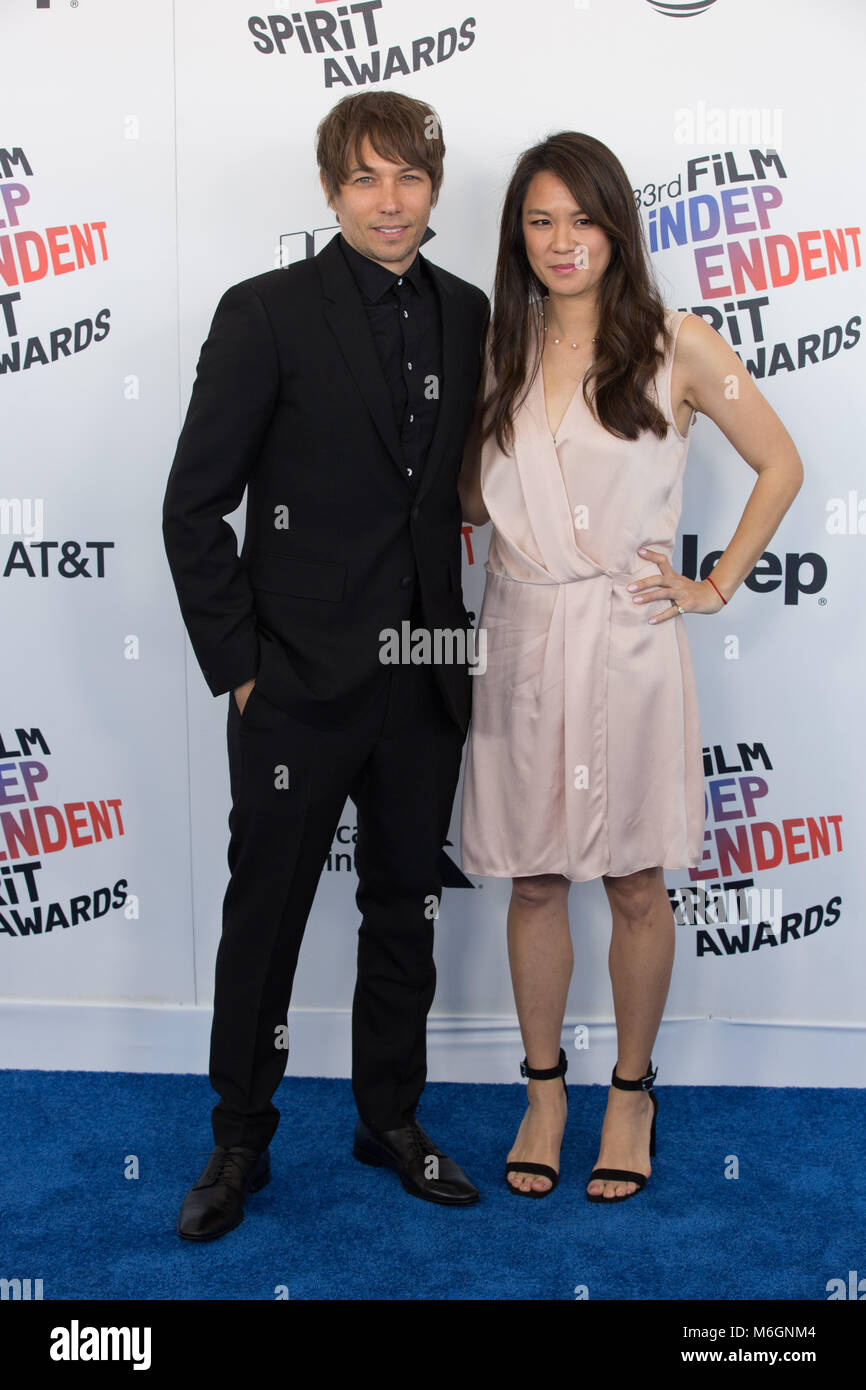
column 631, row 311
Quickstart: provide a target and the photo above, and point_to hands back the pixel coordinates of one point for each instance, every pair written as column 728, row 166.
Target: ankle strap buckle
column 545, row 1073
column 643, row 1083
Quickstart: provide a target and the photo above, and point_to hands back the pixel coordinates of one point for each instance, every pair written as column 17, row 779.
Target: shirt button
column 411, row 418
column 405, row 581
column 405, row 314
column 409, row 365
column 409, row 472
column 400, row 281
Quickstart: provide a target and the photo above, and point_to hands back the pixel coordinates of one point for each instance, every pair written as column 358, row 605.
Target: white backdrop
column 151, row 156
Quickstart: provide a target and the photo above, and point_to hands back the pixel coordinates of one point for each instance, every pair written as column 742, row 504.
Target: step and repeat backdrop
column 152, row 155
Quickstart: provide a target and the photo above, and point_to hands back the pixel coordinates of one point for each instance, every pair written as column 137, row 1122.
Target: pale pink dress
column 584, row 751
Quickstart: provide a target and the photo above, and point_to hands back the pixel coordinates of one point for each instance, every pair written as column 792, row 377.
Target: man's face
column 383, row 209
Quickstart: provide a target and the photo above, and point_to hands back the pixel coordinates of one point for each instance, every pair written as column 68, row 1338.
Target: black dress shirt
column 403, row 313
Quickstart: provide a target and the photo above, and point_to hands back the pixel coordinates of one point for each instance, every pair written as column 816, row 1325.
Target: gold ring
column 682, row 610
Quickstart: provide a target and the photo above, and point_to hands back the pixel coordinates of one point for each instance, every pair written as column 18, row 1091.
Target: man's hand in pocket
column 242, row 693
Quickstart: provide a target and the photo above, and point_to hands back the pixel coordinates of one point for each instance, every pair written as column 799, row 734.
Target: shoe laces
column 227, row 1165
column 422, row 1142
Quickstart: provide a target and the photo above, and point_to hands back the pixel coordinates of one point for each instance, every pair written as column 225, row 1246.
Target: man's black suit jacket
column 290, row 403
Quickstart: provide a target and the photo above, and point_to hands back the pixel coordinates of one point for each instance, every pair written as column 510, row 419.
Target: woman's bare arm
column 709, row 377
column 715, row 382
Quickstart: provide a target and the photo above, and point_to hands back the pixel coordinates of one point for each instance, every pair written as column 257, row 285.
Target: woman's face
column 567, row 251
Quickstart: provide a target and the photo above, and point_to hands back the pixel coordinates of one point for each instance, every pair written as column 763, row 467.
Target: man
column 338, row 392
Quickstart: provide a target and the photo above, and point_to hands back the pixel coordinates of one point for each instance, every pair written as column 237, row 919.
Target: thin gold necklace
column 557, row 340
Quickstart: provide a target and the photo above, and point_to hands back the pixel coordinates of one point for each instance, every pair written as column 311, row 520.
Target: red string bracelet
column 718, row 591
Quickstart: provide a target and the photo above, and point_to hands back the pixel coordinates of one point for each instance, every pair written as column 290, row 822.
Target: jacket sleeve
column 230, row 410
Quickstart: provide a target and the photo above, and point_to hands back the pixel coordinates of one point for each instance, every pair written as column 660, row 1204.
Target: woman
column 584, row 754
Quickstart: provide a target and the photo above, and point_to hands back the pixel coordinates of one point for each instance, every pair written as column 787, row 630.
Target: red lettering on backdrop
column 26, row 256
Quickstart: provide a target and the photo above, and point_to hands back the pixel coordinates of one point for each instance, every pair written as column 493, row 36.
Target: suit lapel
column 344, row 311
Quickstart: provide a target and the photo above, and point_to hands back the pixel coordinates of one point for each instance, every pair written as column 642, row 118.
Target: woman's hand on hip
column 687, row 595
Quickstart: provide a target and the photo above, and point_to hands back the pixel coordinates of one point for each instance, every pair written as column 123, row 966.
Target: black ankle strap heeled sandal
column 643, row 1083
column 542, row 1170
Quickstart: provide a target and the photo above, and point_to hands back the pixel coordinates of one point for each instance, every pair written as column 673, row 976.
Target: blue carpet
column 328, row 1227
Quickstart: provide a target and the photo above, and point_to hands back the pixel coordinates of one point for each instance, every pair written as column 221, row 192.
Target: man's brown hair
column 400, row 128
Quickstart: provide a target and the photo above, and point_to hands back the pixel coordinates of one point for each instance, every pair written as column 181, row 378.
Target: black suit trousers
column 399, row 761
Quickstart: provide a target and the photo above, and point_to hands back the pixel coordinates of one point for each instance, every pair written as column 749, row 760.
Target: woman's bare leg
column 541, row 959
column 640, row 959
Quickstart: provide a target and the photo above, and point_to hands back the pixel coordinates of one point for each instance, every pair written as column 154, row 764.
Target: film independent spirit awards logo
column 31, row 253
column 725, row 211
column 744, row 839
column 354, row 43
column 722, row 217
column 33, row 829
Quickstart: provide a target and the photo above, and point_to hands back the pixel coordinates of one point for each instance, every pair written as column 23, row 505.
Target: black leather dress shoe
column 215, row 1204
column 424, row 1170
